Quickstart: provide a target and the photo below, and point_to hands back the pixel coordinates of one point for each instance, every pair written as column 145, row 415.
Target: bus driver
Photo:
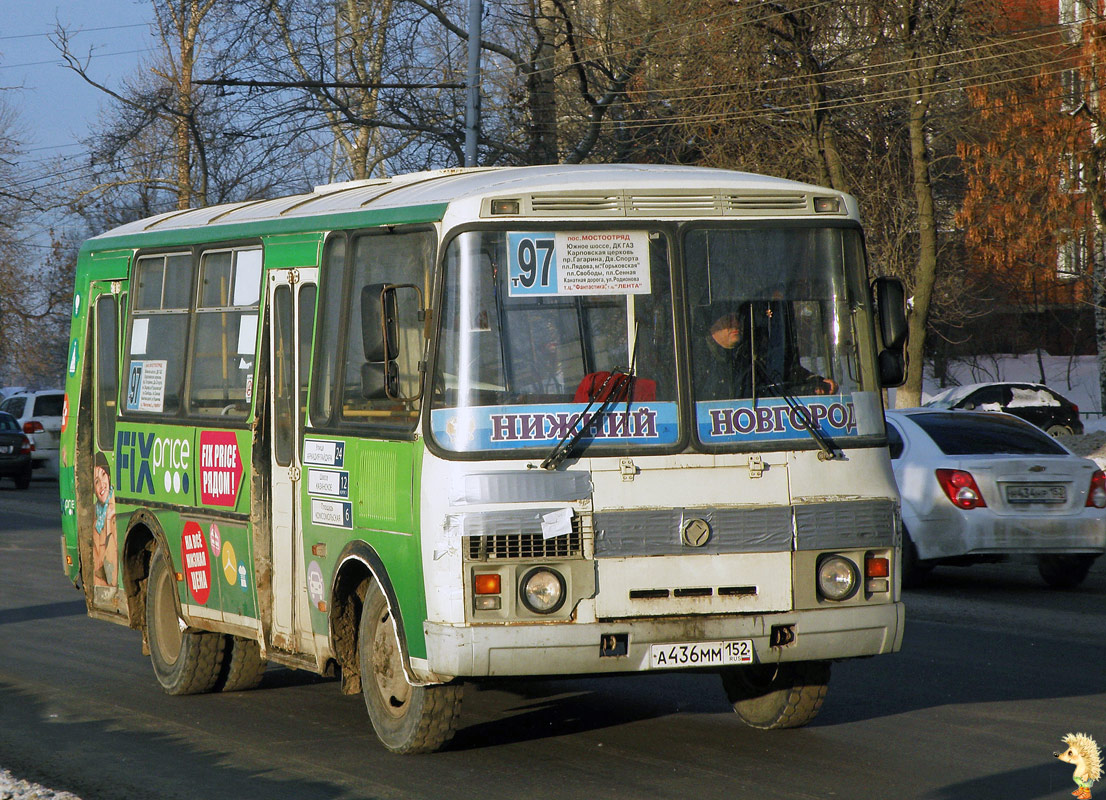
column 727, row 365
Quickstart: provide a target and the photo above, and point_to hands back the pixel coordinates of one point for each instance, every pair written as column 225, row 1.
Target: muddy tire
column 406, row 718
column 243, row 666
column 1064, row 571
column 184, row 662
column 770, row 696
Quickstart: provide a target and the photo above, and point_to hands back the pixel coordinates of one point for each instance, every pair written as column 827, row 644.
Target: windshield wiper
column 614, row 385
column 829, row 450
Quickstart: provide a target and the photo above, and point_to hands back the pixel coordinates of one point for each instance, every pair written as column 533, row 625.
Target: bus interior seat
column 591, row 388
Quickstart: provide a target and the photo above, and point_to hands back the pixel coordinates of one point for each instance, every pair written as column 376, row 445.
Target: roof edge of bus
column 127, row 237
column 418, row 197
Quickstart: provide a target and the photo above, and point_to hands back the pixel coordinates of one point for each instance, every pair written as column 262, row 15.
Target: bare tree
column 35, row 291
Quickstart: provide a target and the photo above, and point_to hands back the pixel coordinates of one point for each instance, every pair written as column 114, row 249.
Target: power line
column 82, row 30
column 93, row 55
column 321, row 84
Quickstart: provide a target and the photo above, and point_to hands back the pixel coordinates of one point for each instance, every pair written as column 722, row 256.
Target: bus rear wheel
column 184, row 662
column 770, row 696
column 243, row 666
column 406, row 718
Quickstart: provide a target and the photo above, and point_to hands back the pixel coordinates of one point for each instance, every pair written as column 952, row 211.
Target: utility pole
column 472, row 104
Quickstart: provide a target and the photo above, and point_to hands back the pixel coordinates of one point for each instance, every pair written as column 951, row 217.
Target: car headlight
column 837, row 578
column 542, row 590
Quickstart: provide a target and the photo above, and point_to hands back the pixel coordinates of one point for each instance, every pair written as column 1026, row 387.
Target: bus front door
column 292, row 295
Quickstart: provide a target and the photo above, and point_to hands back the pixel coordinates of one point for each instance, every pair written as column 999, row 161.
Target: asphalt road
column 995, row 668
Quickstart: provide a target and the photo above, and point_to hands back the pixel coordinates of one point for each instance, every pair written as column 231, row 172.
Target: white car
column 39, row 416
column 981, row 486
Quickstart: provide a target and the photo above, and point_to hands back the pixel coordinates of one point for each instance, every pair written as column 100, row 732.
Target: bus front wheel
column 184, row 662
column 406, row 718
column 770, row 696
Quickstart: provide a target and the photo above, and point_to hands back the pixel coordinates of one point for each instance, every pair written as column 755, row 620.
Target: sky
column 56, row 107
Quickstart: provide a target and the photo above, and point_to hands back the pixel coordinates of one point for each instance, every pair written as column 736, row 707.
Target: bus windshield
column 778, row 329
column 536, row 325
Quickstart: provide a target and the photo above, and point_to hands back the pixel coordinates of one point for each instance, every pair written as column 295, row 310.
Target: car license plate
column 6, row 448
column 1025, row 493
column 701, row 654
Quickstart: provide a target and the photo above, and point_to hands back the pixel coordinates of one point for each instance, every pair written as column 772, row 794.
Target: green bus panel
column 292, row 250
column 368, row 490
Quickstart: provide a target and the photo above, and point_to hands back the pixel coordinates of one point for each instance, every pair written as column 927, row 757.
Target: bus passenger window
column 382, row 259
column 158, row 331
column 327, row 357
column 306, row 327
column 283, row 372
column 224, row 352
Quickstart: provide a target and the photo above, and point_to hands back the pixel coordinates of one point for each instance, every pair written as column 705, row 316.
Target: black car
column 15, row 452
column 1051, row 412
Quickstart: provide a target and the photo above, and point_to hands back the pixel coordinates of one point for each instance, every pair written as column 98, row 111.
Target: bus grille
column 688, row 203
column 524, row 546
column 737, row 203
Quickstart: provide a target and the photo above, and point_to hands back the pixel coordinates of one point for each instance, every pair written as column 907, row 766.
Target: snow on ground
column 12, row 788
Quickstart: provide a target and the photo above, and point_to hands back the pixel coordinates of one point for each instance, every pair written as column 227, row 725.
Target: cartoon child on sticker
column 104, row 550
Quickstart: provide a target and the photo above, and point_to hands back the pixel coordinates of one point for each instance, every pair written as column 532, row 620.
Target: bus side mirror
column 890, row 299
column 380, row 337
column 379, row 332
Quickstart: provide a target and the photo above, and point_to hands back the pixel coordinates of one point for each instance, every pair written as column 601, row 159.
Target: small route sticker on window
column 584, row 262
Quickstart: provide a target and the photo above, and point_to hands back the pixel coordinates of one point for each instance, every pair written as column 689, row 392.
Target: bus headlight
column 542, row 590
column 837, row 578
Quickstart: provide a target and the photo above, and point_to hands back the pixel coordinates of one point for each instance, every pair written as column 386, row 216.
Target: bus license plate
column 701, row 654
column 1036, row 493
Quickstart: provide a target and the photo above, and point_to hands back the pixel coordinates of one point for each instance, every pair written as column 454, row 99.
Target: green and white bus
column 486, row 422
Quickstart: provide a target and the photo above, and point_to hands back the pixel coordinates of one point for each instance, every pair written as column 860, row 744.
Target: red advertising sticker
column 197, row 571
column 220, row 468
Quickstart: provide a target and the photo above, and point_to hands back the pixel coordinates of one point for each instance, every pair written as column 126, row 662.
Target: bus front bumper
column 568, row 648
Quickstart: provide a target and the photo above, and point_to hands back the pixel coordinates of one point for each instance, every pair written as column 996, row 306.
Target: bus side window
column 107, row 369
column 394, row 258
column 306, row 325
column 224, row 351
column 327, row 358
column 158, row 331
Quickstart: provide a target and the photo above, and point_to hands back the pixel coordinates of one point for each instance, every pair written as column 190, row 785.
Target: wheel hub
column 388, row 668
column 167, row 636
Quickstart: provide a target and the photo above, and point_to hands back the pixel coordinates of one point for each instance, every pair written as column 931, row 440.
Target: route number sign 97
column 577, row 263
column 532, row 264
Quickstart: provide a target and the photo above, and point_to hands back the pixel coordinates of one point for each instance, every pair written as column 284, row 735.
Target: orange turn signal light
column 877, row 567
column 487, row 583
